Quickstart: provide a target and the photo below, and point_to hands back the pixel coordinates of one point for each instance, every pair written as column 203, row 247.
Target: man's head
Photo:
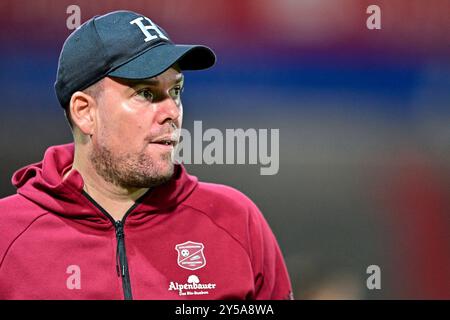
column 119, row 80
column 130, row 127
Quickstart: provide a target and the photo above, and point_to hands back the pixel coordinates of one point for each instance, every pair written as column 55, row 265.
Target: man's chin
column 147, row 181
column 164, row 173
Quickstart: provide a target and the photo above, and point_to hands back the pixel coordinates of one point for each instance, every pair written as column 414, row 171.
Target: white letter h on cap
column 144, row 29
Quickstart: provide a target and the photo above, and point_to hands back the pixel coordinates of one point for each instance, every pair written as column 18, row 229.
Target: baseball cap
column 121, row 44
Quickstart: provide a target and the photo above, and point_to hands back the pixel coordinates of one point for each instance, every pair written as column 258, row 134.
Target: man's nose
column 167, row 109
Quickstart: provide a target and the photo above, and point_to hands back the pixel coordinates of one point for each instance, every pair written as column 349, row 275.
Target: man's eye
column 146, row 94
column 177, row 91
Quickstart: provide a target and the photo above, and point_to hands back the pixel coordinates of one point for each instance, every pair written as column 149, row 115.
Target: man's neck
column 114, row 199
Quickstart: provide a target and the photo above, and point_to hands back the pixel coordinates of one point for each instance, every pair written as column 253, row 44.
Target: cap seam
column 105, row 52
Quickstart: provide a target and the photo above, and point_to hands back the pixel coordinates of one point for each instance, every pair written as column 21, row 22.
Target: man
column 111, row 216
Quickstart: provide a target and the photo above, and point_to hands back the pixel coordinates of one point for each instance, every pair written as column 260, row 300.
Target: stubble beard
column 131, row 170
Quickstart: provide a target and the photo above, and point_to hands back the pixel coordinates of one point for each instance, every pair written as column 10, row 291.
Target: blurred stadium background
column 364, row 119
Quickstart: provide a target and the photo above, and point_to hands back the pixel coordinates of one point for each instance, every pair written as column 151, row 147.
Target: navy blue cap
column 121, row 44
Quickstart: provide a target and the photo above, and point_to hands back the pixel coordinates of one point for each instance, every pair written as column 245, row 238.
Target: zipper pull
column 119, row 234
column 119, row 229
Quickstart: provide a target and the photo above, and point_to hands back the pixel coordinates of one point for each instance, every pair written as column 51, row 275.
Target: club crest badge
column 190, row 255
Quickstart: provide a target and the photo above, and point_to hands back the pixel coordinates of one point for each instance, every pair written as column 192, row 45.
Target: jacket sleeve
column 271, row 277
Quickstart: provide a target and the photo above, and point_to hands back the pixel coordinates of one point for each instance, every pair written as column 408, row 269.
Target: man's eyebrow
column 178, row 78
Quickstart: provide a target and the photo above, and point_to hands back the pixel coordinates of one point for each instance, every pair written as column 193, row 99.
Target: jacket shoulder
column 234, row 212
column 212, row 197
column 227, row 208
column 17, row 207
column 17, row 214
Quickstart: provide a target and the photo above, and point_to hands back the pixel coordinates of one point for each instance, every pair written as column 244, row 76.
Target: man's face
column 135, row 134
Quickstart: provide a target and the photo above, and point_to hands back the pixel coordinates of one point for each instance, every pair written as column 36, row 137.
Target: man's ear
column 82, row 110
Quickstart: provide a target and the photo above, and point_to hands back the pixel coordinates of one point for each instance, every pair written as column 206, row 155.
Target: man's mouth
column 165, row 141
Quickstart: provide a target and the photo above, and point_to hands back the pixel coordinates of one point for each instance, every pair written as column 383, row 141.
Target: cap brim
column 158, row 59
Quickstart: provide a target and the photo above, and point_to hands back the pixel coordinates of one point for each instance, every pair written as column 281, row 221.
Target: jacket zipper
column 122, row 261
column 121, row 254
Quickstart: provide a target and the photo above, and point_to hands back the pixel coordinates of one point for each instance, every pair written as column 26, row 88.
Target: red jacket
column 182, row 240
